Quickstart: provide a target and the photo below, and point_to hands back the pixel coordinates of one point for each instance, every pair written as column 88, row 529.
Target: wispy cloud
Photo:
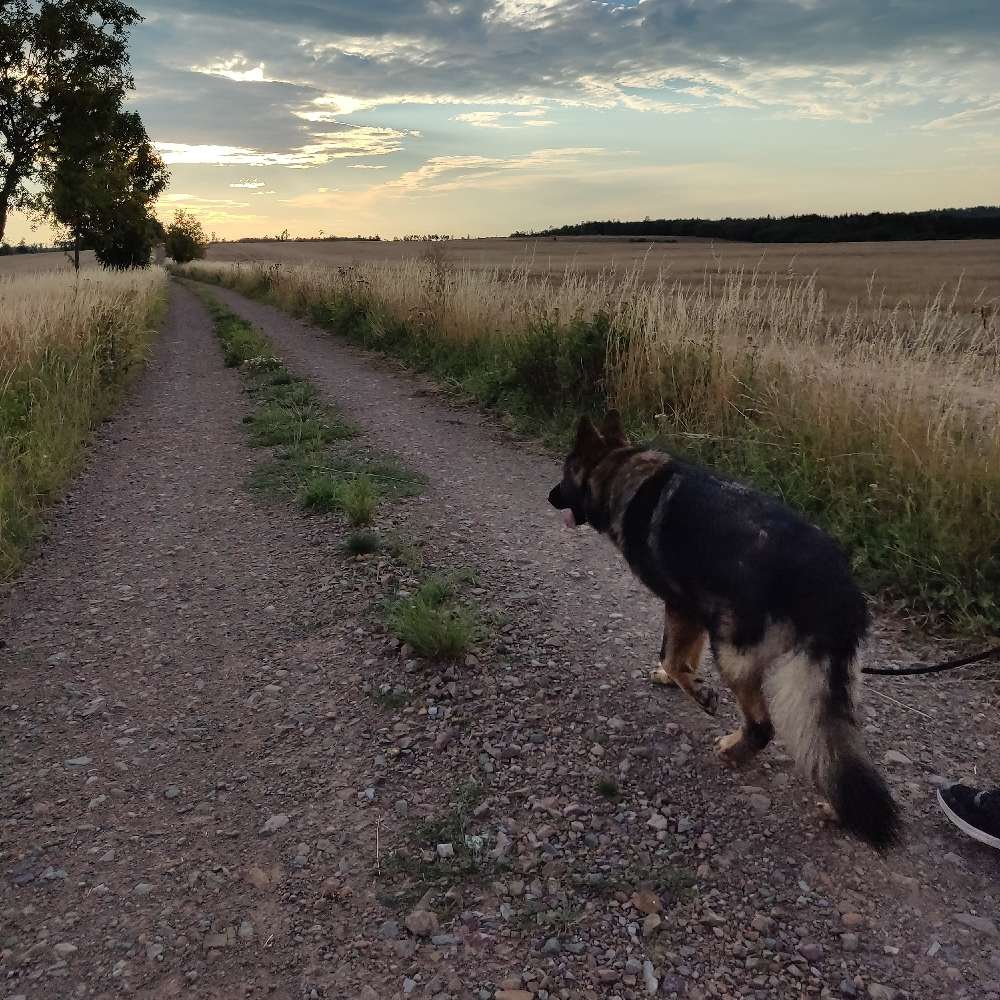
column 534, row 118
column 348, row 142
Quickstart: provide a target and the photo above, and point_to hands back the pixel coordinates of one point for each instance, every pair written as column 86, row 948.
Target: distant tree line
column 70, row 153
column 981, row 222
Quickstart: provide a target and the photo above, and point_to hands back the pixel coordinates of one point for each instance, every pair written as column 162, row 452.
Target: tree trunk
column 4, row 200
column 76, row 251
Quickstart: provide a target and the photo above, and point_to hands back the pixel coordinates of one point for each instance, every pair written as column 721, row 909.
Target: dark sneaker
column 973, row 812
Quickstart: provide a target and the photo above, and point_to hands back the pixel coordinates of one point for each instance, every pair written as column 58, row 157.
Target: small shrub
column 434, row 629
column 358, row 500
column 608, row 788
column 321, row 493
column 293, row 426
column 363, row 543
column 185, row 239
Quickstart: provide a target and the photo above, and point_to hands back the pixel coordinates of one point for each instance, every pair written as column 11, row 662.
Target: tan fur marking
column 685, row 646
column 626, row 483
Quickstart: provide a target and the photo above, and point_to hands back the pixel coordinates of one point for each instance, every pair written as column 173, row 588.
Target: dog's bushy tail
column 812, row 708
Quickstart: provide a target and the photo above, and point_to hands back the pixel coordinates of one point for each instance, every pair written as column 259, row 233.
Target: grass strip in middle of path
column 310, row 461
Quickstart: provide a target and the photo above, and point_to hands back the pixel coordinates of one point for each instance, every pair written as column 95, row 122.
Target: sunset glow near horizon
column 484, row 116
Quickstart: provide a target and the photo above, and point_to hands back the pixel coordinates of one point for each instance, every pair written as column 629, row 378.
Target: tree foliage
column 51, row 51
column 104, row 179
column 185, row 239
column 982, row 222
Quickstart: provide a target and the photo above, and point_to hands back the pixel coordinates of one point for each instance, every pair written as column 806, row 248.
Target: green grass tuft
column 433, row 622
column 359, row 500
column 608, row 788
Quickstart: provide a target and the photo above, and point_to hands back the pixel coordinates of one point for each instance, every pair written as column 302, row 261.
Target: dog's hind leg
column 755, row 733
column 683, row 645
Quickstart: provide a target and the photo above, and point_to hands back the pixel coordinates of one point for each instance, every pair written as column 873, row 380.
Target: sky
column 481, row 117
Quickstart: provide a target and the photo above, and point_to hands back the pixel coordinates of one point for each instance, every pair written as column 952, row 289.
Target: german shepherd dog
column 771, row 593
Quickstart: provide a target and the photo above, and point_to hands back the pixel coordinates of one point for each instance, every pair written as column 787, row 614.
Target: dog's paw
column 733, row 750
column 708, row 698
column 660, row 676
column 826, row 812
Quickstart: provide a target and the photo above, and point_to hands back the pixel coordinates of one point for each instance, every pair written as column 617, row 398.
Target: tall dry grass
column 67, row 346
column 882, row 422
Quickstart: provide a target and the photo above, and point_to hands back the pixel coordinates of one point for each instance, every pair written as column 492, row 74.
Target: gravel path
column 201, row 781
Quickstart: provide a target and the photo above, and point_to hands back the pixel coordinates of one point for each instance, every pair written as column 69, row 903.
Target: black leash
column 937, row 668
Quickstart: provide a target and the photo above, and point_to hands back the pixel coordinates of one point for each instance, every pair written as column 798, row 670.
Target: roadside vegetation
column 68, row 347
column 314, row 459
column 882, row 423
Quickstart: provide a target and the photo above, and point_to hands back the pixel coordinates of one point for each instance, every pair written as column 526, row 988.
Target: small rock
column 78, row 762
column 64, row 949
column 367, row 993
column 852, row 920
column 762, row 923
column 246, row 931
column 421, row 923
column 981, row 924
column 551, row 946
column 879, row 992
column 658, row 822
column 760, row 804
column 649, row 977
column 142, row 889
column 390, row 931
column 651, row 925
column 274, row 824
column 171, row 792
column 646, row 901
column 811, row 952
column 849, row 942
column 895, row 757
column 258, row 878
column 513, row 995
column 154, row 952
column 445, row 851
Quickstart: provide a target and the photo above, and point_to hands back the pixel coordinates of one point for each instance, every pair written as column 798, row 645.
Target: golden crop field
column 40, row 263
column 909, row 272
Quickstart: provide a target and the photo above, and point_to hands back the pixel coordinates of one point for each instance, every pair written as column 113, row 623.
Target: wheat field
column 910, row 272
column 67, row 346
column 881, row 421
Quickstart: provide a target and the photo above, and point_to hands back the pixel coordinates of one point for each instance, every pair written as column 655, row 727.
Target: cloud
column 228, row 68
column 177, row 199
column 366, row 166
column 848, row 59
column 970, row 118
column 348, row 142
column 535, row 118
column 210, row 210
column 249, row 185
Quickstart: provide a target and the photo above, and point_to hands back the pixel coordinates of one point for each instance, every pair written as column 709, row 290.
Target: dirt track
column 185, row 662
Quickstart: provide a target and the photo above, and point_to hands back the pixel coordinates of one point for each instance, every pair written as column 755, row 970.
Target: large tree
column 50, row 52
column 101, row 184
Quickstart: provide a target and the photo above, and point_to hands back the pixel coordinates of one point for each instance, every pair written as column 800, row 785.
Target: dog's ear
column 614, row 430
column 589, row 445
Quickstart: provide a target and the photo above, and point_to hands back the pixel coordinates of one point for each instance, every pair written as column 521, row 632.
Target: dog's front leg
column 680, row 656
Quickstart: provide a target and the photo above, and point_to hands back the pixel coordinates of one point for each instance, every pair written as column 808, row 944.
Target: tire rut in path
column 162, row 667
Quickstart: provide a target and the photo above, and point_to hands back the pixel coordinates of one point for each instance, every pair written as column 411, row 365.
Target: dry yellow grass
column 883, row 421
column 34, row 263
column 67, row 344
column 894, row 272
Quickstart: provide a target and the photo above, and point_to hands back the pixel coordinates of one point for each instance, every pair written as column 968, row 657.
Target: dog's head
column 591, row 448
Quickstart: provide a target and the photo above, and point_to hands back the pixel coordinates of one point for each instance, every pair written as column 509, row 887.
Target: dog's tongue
column 568, row 519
